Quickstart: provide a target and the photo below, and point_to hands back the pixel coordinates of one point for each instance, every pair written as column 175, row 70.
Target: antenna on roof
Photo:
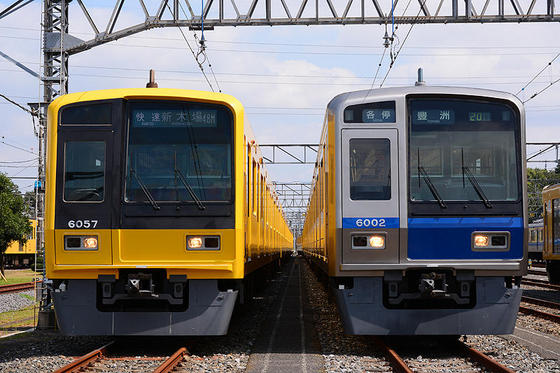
column 152, row 83
column 420, row 80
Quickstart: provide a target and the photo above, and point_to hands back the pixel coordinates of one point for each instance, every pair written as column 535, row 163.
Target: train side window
column 91, row 114
column 84, row 171
column 556, row 226
column 370, row 169
column 254, row 187
column 533, row 235
column 248, row 187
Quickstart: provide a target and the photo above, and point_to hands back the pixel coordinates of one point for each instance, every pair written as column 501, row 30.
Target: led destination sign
column 170, row 117
column 433, row 116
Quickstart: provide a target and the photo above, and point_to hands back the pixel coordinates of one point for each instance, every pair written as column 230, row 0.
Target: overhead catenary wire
column 538, row 74
column 393, row 60
column 19, row 106
column 202, row 43
column 541, row 91
column 193, row 53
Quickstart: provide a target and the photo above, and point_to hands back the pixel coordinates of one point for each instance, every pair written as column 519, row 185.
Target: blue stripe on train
column 450, row 238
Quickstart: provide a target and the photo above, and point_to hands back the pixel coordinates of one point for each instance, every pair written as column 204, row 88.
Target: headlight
column 480, row 240
column 90, row 242
column 377, row 241
column 85, row 243
column 194, row 242
column 203, row 242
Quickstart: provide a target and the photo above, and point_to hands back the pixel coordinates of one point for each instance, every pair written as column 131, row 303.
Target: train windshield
column 179, row 152
column 463, row 150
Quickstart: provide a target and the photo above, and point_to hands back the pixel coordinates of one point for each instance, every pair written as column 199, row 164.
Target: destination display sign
column 378, row 116
column 433, row 116
column 372, row 112
column 170, row 117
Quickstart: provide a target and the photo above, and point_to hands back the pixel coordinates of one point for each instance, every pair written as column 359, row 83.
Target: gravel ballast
column 16, row 301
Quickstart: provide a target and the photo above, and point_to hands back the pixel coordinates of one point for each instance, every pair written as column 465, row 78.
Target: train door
column 370, row 196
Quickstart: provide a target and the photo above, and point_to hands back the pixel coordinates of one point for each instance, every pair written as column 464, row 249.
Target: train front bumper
column 208, row 313
column 363, row 311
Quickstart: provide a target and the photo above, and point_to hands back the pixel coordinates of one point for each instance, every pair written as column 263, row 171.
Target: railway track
column 540, row 283
column 540, row 313
column 16, row 287
column 92, row 358
column 535, row 272
column 400, row 365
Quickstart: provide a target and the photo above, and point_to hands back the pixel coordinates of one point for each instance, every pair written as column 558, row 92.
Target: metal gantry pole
column 55, row 83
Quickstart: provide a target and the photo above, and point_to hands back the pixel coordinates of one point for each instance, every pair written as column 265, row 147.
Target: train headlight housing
column 491, row 241
column 83, row 243
column 377, row 241
column 368, row 241
column 481, row 240
column 203, row 242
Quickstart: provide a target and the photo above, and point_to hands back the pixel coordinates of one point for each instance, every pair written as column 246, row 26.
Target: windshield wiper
column 477, row 187
column 189, row 189
column 474, row 182
column 145, row 190
column 431, row 186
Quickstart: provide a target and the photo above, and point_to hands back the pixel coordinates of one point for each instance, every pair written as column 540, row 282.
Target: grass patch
column 27, row 296
column 11, row 320
column 17, row 276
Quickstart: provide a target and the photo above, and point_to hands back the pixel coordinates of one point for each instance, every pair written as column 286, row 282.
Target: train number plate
column 370, row 222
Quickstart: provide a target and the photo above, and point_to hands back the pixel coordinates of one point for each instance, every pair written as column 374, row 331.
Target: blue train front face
column 431, row 222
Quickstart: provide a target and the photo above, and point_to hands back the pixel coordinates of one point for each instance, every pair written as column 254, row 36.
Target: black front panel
column 88, row 164
column 92, row 168
column 464, row 157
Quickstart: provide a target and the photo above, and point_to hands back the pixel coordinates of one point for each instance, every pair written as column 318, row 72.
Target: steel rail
column 172, row 361
column 85, row 360
column 540, row 314
column 397, row 362
column 486, row 361
column 16, row 287
column 541, row 302
column 541, row 283
column 534, row 272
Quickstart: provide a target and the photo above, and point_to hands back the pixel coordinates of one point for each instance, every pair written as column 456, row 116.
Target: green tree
column 14, row 224
column 30, row 199
column 537, row 179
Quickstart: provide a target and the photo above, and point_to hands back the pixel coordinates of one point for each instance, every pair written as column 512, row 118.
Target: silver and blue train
column 418, row 210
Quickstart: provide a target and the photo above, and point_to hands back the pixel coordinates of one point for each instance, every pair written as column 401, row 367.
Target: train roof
column 393, row 92
column 143, row 93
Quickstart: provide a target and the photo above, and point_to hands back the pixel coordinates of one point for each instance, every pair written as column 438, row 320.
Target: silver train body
column 418, row 211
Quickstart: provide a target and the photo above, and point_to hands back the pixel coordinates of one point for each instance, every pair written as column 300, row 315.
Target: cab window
column 370, row 169
column 84, row 171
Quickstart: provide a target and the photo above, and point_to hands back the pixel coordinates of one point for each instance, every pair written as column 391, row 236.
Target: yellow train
column 159, row 212
column 18, row 255
column 551, row 220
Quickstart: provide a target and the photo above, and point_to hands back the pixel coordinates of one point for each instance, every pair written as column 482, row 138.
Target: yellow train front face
column 145, row 211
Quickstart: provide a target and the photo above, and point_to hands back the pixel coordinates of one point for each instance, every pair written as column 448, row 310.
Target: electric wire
column 538, row 74
column 393, row 60
column 192, row 52
column 17, row 147
column 18, row 105
column 202, row 43
column 541, row 91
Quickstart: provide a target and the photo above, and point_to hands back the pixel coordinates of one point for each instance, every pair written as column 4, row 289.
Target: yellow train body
column 257, row 236
column 551, row 222
column 18, row 254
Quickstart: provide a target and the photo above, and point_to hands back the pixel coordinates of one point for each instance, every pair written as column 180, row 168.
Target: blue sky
column 285, row 76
